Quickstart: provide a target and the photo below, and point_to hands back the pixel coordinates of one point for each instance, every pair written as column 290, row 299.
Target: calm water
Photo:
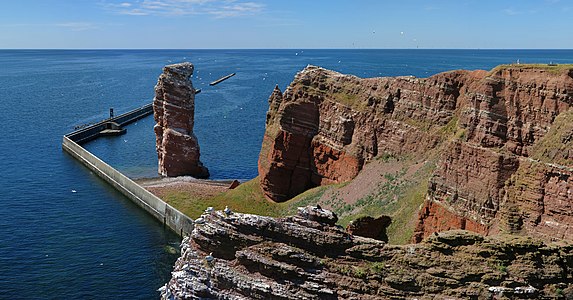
column 94, row 243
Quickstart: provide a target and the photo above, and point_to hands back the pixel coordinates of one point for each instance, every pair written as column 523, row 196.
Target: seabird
column 318, row 206
column 227, row 211
column 209, row 258
column 209, row 210
column 200, row 220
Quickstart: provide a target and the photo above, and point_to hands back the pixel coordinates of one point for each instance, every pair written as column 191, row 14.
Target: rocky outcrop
column 501, row 138
column 241, row 256
column 370, row 227
column 174, row 113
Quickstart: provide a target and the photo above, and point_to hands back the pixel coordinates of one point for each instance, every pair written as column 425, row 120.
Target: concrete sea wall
column 93, row 131
column 162, row 211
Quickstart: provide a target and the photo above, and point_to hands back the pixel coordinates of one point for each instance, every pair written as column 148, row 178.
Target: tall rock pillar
column 173, row 111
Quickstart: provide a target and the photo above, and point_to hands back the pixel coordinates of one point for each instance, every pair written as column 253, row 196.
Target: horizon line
column 179, row 49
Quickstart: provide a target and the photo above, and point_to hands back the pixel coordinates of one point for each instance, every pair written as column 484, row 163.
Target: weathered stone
column 370, row 227
column 294, row 258
column 316, row 213
column 173, row 110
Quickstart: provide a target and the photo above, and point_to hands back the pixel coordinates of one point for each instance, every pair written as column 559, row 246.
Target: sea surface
column 64, row 233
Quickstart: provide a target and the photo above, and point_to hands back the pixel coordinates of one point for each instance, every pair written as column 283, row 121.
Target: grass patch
column 449, row 129
column 554, row 146
column 404, row 214
column 555, row 69
column 246, row 198
column 399, row 197
column 422, row 125
column 308, row 197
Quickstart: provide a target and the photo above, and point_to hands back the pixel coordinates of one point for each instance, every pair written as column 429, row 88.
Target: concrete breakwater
column 94, row 131
column 158, row 208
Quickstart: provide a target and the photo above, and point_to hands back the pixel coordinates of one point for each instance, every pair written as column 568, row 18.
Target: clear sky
column 193, row 24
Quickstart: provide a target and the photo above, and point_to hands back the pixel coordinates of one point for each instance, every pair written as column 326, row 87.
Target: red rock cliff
column 174, row 109
column 326, row 125
column 502, row 138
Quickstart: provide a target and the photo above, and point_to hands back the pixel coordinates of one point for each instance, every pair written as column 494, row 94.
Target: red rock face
column 173, row 110
column 435, row 218
column 505, row 173
column 504, row 141
column 471, row 179
column 326, row 126
column 541, row 195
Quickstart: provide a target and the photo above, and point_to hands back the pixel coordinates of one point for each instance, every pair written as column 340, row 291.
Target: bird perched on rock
column 228, row 211
column 209, row 258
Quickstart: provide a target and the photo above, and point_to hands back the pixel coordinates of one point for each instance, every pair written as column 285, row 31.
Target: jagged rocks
column 174, row 109
column 257, row 257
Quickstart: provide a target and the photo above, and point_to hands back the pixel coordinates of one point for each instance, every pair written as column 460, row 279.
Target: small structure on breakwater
column 112, row 126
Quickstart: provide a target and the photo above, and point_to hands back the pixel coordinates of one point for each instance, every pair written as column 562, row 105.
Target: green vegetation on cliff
column 551, row 68
column 555, row 147
column 246, row 198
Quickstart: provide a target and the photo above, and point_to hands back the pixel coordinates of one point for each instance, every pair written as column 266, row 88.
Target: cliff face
column 174, row 113
column 502, row 139
column 327, row 125
column 240, row 256
column 506, row 175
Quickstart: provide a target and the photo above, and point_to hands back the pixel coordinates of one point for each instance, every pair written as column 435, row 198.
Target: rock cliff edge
column 241, row 256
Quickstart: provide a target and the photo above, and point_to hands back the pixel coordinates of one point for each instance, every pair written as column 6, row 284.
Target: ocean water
column 64, row 233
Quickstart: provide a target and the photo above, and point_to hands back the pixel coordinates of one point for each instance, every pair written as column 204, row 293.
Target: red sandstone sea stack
column 174, row 109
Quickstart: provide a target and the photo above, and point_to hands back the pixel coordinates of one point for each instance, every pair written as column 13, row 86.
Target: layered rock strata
column 326, row 125
column 502, row 139
column 174, row 113
column 241, row 256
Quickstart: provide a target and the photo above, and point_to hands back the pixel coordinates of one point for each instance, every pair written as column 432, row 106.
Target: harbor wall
column 171, row 217
column 93, row 131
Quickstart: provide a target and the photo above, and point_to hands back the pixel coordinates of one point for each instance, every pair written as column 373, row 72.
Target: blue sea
column 64, row 233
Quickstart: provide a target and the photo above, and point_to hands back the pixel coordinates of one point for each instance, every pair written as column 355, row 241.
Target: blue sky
column 194, row 24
